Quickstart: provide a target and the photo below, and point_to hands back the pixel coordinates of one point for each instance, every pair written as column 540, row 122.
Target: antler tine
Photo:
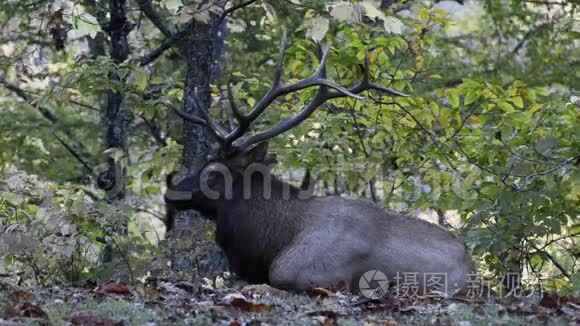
column 236, row 141
column 280, row 60
column 205, row 121
column 366, row 84
column 217, row 130
column 321, row 70
column 366, row 69
column 233, row 106
column 322, row 95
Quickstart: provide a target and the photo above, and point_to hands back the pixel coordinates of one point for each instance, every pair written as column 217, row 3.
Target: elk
column 273, row 234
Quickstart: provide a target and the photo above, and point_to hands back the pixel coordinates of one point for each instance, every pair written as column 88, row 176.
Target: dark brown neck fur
column 252, row 231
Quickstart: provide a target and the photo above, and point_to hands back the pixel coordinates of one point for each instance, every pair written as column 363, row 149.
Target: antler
column 233, row 141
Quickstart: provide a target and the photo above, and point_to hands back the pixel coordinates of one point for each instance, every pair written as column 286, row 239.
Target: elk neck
column 253, row 229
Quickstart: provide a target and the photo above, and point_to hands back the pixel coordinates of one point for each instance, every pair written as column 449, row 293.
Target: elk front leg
column 323, row 258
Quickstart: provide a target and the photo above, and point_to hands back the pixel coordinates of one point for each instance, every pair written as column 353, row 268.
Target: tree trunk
column 192, row 248
column 115, row 117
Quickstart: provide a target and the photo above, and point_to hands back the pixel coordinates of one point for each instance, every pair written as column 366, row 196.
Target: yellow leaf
column 506, row 107
column 419, row 62
column 361, row 54
column 518, row 102
column 373, row 56
column 535, row 108
column 444, row 117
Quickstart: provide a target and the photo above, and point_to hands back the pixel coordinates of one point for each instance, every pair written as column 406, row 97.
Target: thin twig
column 74, row 153
column 228, row 11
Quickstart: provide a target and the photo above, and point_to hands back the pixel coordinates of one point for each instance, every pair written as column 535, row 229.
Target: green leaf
column 372, row 10
column 393, row 25
column 361, row 54
column 518, row 102
column 471, row 96
column 489, row 190
column 346, row 11
column 453, row 99
column 317, row 28
column 172, row 5
column 139, row 78
column 84, row 24
column 506, row 107
column 542, row 91
column 444, row 117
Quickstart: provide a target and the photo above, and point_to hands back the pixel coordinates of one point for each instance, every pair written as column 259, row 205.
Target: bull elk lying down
column 271, row 233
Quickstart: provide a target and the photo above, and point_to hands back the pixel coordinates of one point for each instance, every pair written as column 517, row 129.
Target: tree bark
column 192, row 248
column 115, row 117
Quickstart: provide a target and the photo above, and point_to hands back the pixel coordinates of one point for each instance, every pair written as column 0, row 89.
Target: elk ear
column 270, row 158
column 169, row 179
column 258, row 153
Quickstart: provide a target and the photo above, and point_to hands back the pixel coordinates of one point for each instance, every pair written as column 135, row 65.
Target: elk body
column 271, row 233
column 295, row 242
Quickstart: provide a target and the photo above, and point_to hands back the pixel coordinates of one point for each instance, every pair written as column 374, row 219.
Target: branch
column 228, row 11
column 74, row 153
column 46, row 113
column 24, row 94
column 554, row 261
column 430, row 134
column 151, row 56
column 154, row 129
column 147, row 8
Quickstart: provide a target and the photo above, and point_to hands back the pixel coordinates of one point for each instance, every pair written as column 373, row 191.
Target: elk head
column 200, row 190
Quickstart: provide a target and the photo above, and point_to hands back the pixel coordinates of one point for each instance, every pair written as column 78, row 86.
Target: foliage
column 51, row 233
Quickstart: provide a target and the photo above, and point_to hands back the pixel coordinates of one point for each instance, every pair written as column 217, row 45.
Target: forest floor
column 183, row 303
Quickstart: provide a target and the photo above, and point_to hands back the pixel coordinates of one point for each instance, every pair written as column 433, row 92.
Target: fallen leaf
column 30, row 310
column 240, row 302
column 330, row 314
column 262, row 289
column 386, row 304
column 320, row 292
column 412, row 309
column 324, row 321
column 15, row 293
column 87, row 318
column 187, row 286
column 19, row 295
column 247, row 306
column 552, row 300
column 113, row 288
column 169, row 288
